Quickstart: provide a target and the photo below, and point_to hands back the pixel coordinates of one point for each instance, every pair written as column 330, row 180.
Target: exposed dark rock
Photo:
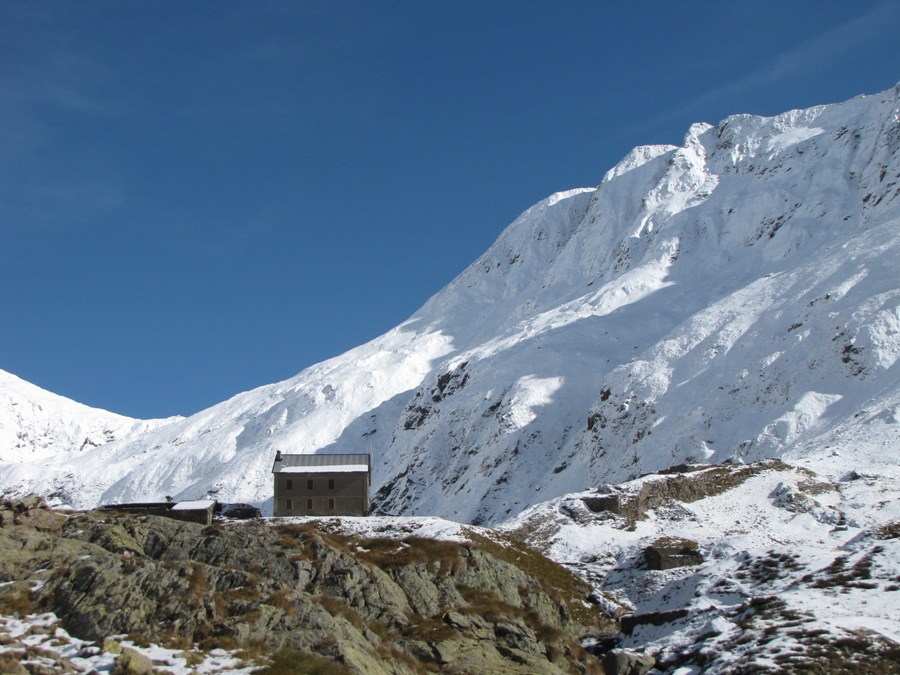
column 632, row 621
column 614, row 503
column 238, row 511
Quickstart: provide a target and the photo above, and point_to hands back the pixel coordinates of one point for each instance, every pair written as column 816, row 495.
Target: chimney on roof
column 278, row 455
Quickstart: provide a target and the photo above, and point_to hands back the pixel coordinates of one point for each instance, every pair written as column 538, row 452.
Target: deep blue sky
column 198, row 198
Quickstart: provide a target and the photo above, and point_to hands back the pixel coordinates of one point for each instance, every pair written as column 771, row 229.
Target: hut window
column 309, row 506
column 290, row 485
column 289, row 506
column 331, row 483
column 309, row 484
column 331, row 505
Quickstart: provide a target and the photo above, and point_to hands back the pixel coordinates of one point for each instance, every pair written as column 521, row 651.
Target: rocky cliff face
column 301, row 594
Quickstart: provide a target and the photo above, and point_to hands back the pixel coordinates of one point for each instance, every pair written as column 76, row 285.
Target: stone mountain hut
column 321, row 485
column 196, row 511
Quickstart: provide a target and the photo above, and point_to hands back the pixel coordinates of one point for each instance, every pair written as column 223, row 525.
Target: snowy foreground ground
column 47, row 639
column 793, row 562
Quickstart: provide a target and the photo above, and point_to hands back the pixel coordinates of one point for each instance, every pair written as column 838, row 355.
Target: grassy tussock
column 283, row 599
column 339, row 607
column 290, row 662
column 15, row 599
column 390, row 554
column 197, row 584
column 429, row 629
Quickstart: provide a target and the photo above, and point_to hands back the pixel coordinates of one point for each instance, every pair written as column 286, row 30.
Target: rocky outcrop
column 299, row 591
column 624, row 662
column 683, row 483
column 31, row 511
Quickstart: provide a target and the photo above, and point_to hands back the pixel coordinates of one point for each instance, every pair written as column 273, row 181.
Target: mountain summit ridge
column 731, row 299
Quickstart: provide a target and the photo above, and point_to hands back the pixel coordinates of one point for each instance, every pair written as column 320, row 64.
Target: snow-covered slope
column 35, row 425
column 770, row 568
column 737, row 297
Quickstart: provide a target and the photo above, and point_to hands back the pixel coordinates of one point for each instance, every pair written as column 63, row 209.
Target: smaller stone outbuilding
column 198, row 511
column 669, row 552
column 322, row 485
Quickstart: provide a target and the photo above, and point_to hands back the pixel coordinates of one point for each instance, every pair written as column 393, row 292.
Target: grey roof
column 318, row 461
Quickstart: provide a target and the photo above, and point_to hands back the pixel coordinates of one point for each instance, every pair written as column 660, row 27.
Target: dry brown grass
column 429, row 629
column 390, row 554
column 283, row 600
column 172, row 638
column 290, row 662
column 197, row 585
column 888, row 531
column 226, row 642
column 254, row 650
column 289, row 541
column 487, row 604
column 381, row 552
column 15, row 599
column 339, row 607
column 301, row 531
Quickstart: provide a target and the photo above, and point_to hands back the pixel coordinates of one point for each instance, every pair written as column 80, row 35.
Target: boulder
column 132, row 662
column 43, row 520
column 29, row 502
column 624, row 662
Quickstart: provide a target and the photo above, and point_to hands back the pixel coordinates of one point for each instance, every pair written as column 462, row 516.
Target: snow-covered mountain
column 734, row 298
column 36, row 425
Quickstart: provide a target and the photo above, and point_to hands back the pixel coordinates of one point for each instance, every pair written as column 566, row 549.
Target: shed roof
column 321, row 463
column 200, row 504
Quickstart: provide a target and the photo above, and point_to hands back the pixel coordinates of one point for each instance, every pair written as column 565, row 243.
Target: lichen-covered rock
column 372, row 606
column 29, row 502
column 624, row 662
column 30, row 512
column 132, row 662
column 41, row 519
